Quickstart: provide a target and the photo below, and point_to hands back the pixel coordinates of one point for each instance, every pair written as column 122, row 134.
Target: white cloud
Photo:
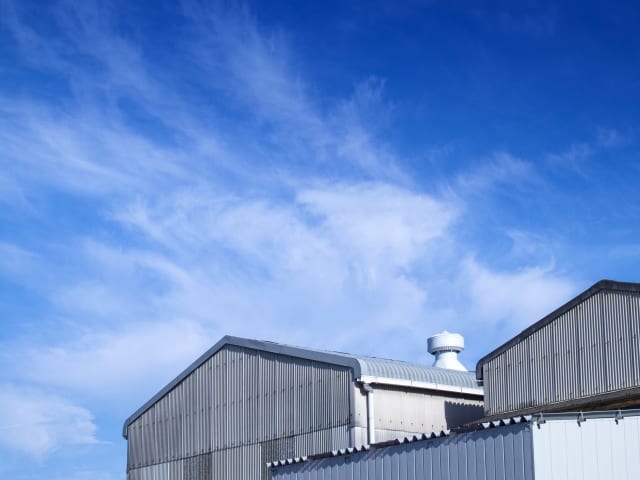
column 369, row 266
column 103, row 365
column 573, row 159
column 36, row 423
column 79, row 473
column 379, row 223
column 258, row 69
column 611, row 138
column 338, row 258
column 185, row 259
column 374, row 224
column 15, row 261
column 514, row 298
column 502, row 172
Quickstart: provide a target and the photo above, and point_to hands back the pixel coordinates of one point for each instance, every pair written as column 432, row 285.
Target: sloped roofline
column 265, row 346
column 602, row 285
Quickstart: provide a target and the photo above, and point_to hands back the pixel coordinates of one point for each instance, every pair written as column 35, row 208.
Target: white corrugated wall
column 596, row 449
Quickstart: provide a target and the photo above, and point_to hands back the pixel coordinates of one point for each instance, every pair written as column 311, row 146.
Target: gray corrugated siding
column 246, row 462
column 496, row 454
column 236, row 409
column 592, row 349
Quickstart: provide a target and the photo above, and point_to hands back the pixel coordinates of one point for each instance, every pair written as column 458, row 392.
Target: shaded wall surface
column 239, row 409
column 400, row 412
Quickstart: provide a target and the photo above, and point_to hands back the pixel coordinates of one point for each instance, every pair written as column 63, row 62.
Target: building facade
column 246, row 402
column 580, row 359
column 591, row 446
column 584, row 355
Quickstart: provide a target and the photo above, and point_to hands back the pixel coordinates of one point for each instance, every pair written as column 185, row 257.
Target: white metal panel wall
column 597, row 449
column 242, row 397
column 592, row 349
column 417, row 412
column 496, row 454
column 413, row 411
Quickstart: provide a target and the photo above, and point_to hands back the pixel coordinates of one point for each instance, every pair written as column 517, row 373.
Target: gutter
column 397, row 382
column 371, row 419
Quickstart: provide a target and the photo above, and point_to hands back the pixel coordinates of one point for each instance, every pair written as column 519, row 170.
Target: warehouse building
column 577, row 361
column 584, row 355
column 246, row 402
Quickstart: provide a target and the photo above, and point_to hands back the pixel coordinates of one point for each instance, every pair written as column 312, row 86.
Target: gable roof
column 602, row 285
column 365, row 369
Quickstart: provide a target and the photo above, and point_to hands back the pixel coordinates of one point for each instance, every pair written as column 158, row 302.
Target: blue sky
column 352, row 177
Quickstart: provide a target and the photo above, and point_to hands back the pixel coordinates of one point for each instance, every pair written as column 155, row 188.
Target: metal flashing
column 399, row 382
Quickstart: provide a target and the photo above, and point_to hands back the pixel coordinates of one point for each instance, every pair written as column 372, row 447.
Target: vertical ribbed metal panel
column 599, row 448
column 592, row 349
column 245, row 462
column 237, row 404
column 497, row 454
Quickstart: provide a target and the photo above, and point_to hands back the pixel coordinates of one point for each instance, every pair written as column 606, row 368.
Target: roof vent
column 446, row 346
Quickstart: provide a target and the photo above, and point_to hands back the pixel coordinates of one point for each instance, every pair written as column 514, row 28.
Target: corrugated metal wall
column 597, row 449
column 231, row 414
column 247, row 462
column 592, row 349
column 496, row 454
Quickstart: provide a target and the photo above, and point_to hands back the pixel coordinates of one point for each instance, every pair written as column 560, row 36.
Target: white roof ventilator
column 446, row 346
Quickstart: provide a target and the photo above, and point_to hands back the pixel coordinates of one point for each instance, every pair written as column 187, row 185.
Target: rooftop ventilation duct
column 446, row 347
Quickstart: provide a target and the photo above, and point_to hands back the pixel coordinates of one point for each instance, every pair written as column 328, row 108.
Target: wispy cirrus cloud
column 502, row 171
column 36, row 423
column 241, row 266
column 204, row 252
column 515, row 298
column 610, row 138
column 573, row 159
column 217, row 195
column 100, row 364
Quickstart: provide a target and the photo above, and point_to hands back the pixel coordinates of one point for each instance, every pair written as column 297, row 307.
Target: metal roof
column 366, row 369
column 380, row 367
column 602, row 285
column 537, row 419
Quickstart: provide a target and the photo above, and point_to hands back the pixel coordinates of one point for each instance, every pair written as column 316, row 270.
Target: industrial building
column 584, row 355
column 246, row 402
column 559, row 401
column 581, row 363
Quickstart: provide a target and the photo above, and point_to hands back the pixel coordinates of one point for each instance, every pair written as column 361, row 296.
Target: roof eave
column 418, row 385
